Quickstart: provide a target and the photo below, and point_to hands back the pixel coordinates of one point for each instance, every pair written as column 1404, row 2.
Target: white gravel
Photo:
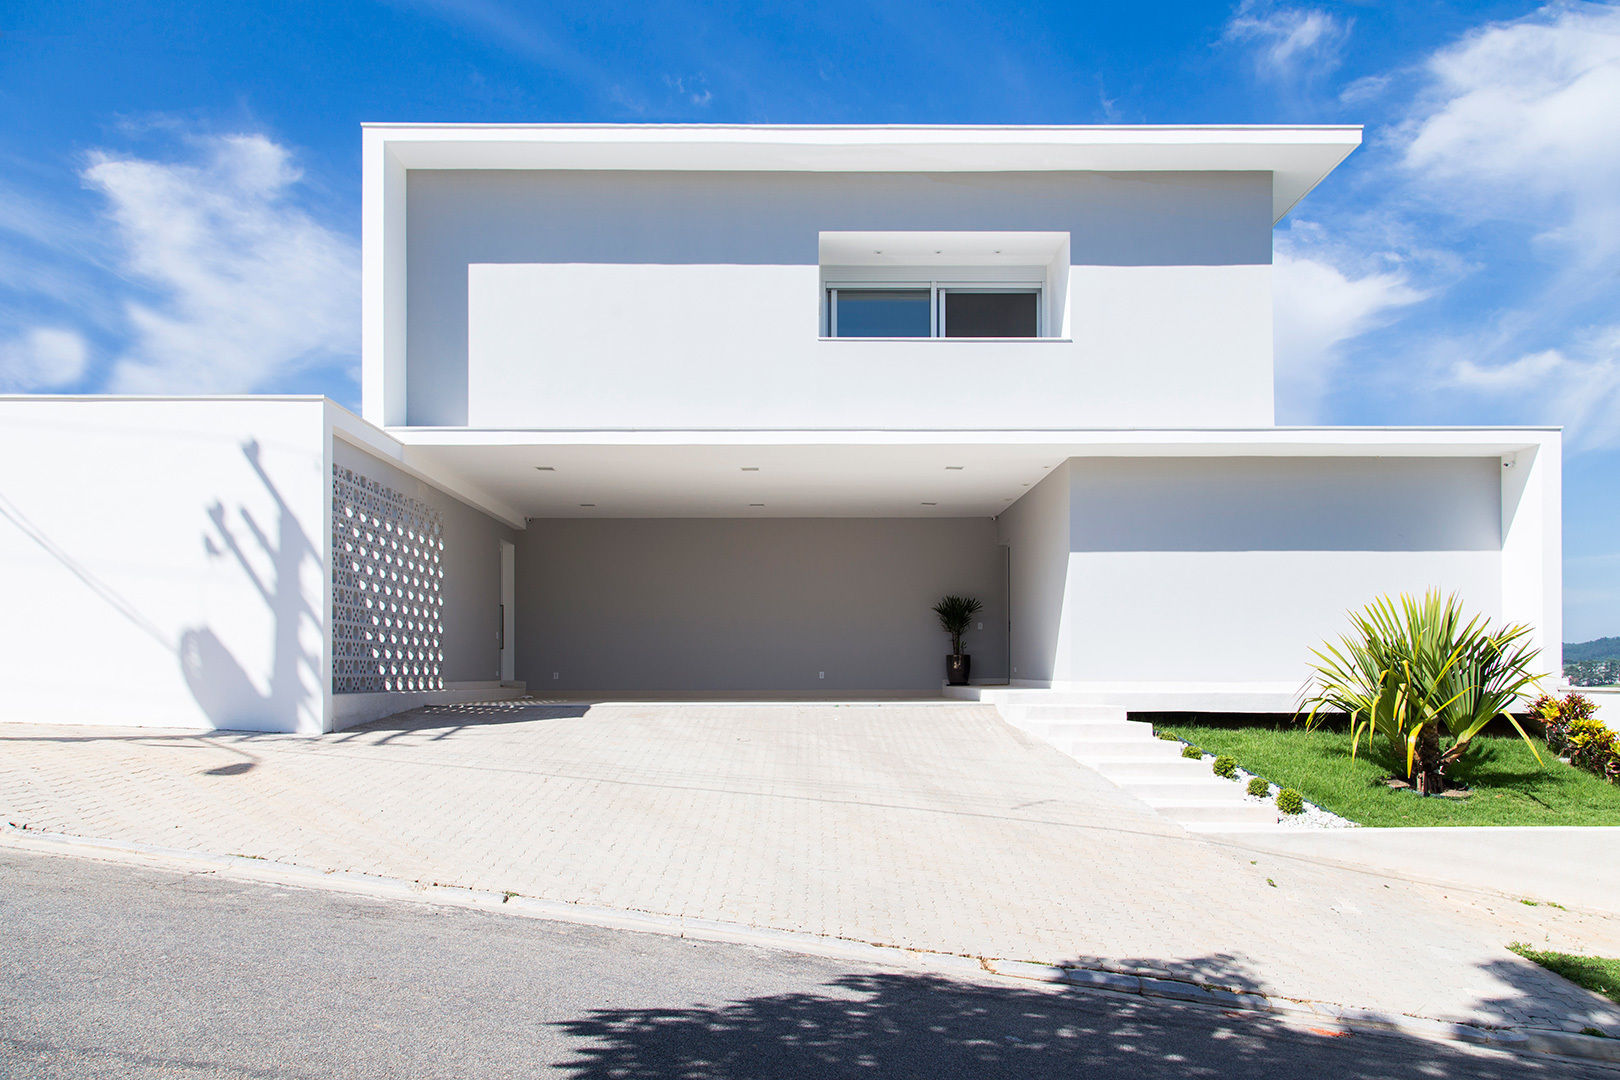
column 1312, row 817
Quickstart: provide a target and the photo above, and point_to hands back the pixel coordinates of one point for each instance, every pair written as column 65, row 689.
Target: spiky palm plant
column 955, row 616
column 1413, row 671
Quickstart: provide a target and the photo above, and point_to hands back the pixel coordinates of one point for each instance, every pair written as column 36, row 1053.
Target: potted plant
column 955, row 616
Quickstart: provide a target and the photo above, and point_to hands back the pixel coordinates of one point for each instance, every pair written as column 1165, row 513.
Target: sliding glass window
column 933, row 310
column 881, row 313
column 990, row 313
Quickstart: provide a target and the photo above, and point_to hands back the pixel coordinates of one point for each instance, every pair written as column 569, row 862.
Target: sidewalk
column 926, row 826
column 1571, row 865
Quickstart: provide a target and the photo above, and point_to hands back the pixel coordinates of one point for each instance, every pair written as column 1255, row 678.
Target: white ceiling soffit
column 1298, row 157
column 942, row 248
column 652, row 474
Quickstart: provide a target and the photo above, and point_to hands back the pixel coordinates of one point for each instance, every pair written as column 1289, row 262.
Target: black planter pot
column 957, row 667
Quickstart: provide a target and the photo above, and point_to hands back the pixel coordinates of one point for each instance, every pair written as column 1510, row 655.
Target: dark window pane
column 991, row 314
column 883, row 313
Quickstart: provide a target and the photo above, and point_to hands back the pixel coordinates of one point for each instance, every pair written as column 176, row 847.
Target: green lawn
column 1509, row 787
column 1599, row 974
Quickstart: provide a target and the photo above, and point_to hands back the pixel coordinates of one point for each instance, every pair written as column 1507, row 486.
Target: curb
column 968, row 968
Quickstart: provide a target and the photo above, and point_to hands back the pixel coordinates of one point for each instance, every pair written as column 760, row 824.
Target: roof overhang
column 855, row 473
column 1298, row 157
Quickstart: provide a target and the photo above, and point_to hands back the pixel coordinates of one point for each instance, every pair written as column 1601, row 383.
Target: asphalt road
column 114, row 971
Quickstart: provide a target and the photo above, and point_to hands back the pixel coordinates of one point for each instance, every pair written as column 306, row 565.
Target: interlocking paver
column 927, row 825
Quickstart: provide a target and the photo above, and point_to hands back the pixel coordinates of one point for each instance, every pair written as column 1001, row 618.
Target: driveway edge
column 969, row 968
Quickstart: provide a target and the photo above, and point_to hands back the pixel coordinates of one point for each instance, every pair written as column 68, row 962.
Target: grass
column 1599, row 974
column 1509, row 787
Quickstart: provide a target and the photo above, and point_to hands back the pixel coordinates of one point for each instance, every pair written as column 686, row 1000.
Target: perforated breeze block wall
column 387, row 596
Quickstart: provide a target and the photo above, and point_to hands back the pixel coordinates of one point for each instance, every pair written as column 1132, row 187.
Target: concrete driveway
column 932, row 826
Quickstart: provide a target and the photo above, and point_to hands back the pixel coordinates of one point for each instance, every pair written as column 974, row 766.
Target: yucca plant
column 955, row 616
column 1416, row 672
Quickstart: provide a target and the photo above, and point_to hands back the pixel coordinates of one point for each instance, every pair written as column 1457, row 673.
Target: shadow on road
column 904, row 1025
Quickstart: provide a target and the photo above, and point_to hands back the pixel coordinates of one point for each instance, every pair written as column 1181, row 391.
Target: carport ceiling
column 850, row 474
column 745, row 481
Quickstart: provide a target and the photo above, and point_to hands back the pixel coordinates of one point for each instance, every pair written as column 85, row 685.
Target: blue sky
column 179, row 182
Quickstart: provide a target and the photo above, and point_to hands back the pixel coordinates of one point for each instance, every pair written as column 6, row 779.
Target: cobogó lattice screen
column 387, row 600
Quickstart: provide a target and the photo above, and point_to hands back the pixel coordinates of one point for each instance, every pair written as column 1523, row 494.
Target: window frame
column 936, row 288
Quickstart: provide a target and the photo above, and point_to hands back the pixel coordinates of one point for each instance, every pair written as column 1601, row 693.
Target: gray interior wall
column 472, row 567
column 1230, row 569
column 730, row 604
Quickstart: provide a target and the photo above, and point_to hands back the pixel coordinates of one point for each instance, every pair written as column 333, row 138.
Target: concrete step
column 1157, row 791
column 1167, row 770
column 1095, row 731
column 1090, row 751
column 1055, row 711
column 1218, row 813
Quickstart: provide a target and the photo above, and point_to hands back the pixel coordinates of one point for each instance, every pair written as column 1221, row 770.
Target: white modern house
column 725, row 409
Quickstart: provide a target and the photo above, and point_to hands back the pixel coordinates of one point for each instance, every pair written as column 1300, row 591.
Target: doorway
column 508, row 613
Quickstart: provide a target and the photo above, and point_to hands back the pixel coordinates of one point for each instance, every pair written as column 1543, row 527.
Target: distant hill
column 1603, row 648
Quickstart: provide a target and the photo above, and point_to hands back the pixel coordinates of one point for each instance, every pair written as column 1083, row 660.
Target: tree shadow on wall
column 273, row 558
column 896, row 1025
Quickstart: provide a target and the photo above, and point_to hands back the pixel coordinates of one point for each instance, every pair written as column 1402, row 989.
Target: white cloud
column 1578, row 388
column 1289, row 42
column 1320, row 307
column 1521, row 113
column 43, row 358
column 250, row 289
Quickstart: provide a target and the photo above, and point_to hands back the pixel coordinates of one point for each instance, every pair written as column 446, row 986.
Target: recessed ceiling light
column 955, row 468
column 756, row 504
column 545, row 468
column 587, row 506
column 750, row 468
column 930, row 504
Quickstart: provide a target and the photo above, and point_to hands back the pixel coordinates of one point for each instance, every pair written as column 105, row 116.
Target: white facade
column 617, row 440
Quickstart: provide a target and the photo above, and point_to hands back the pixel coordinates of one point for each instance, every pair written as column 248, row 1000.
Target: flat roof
column 1297, row 156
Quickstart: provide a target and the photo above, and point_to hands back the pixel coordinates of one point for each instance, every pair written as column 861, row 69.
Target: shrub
column 1225, row 765
column 1290, row 801
column 1191, row 752
column 1166, row 736
column 1259, row 787
column 1413, row 670
column 1574, row 732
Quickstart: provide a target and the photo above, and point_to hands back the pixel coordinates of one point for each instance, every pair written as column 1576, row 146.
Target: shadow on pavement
column 904, row 1025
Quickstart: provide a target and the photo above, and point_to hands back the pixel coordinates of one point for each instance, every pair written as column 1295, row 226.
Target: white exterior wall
column 693, row 300
column 164, row 562
column 1223, row 571
column 1230, row 569
column 1036, row 532
column 673, row 604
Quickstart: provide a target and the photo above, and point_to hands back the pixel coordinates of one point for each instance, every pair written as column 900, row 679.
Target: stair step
column 1219, row 813
column 1091, row 751
column 1106, row 731
column 1160, row 792
column 1171, row 769
column 1015, row 713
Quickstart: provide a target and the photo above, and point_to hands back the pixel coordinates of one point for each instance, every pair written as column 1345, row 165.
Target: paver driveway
column 928, row 825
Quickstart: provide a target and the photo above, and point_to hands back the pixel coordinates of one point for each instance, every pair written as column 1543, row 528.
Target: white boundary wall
column 166, row 563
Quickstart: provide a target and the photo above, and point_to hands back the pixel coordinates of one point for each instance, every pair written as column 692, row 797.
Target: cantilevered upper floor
column 599, row 277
